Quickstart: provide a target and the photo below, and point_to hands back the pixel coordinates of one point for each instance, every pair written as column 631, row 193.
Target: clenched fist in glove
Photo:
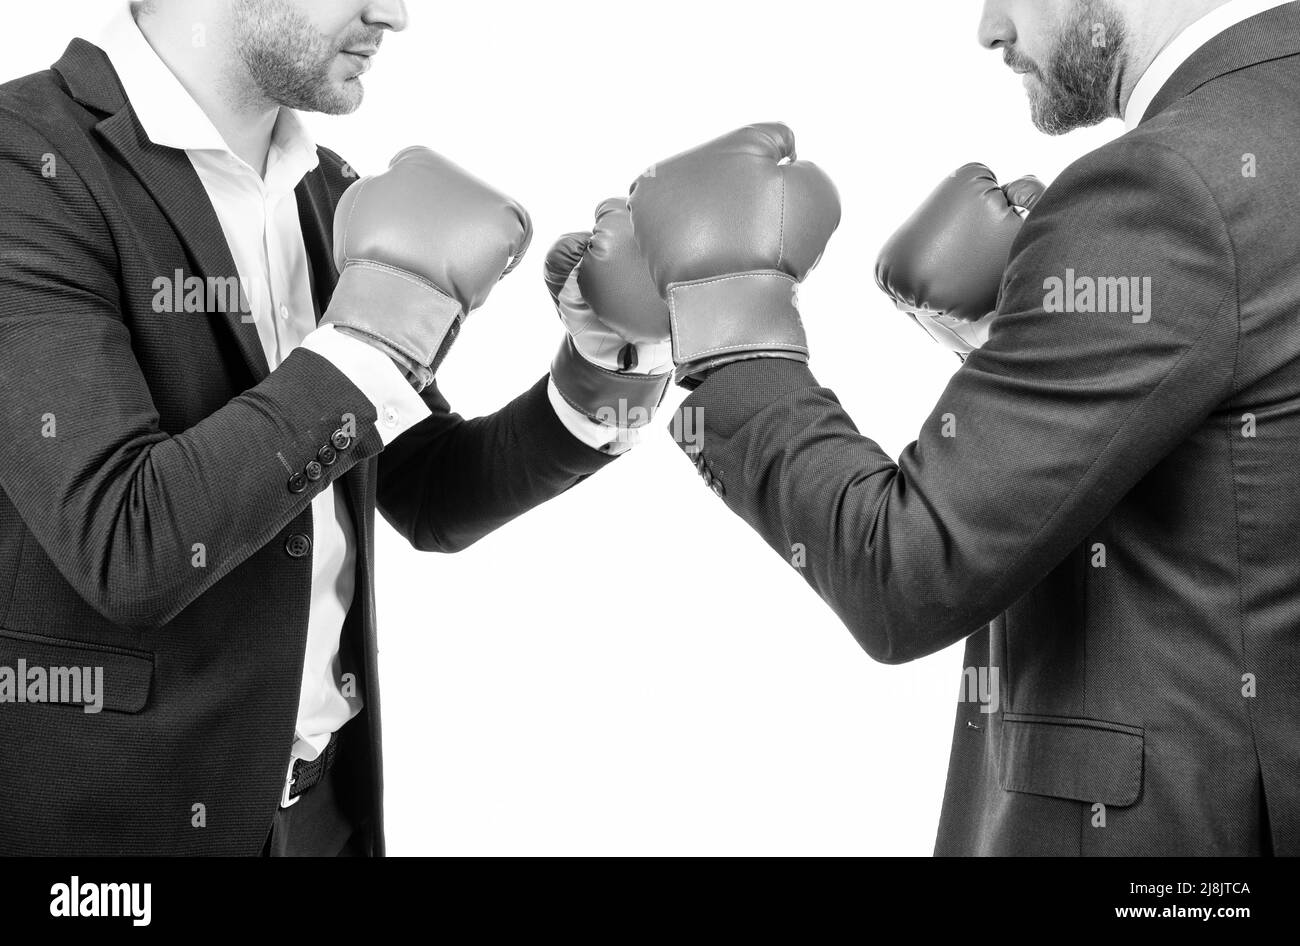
column 729, row 230
column 944, row 268
column 616, row 363
column 418, row 248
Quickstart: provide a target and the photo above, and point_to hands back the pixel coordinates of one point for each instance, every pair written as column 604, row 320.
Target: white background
column 629, row 669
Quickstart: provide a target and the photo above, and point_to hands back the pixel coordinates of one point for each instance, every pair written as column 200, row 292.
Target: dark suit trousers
column 322, row 823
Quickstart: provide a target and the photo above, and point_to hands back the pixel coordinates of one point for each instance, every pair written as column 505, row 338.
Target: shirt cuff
column 610, row 440
column 382, row 382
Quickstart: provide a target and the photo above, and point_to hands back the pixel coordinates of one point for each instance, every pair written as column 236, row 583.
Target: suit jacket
column 1104, row 502
column 147, row 522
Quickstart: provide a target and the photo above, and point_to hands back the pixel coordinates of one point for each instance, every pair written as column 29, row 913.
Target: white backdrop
column 630, row 670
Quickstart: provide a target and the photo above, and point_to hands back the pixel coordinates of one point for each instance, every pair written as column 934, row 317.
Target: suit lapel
column 168, row 176
column 1274, row 34
column 315, row 213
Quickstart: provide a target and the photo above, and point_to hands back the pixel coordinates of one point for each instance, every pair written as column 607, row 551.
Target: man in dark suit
column 1104, row 501
column 195, row 456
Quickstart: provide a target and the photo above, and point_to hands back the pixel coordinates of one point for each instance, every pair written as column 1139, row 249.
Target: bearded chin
column 288, row 61
column 1078, row 89
column 1045, row 110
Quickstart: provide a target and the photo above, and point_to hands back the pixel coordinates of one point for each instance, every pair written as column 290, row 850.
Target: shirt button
column 340, row 440
column 314, row 471
column 390, row 417
column 298, row 545
column 327, row 455
column 284, row 312
column 297, row 484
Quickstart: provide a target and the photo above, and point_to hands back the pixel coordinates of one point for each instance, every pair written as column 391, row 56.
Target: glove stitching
column 779, row 344
column 632, row 379
column 596, row 420
column 709, row 282
column 581, row 409
column 402, row 274
column 780, row 256
column 405, row 349
column 672, row 313
column 660, row 380
column 400, row 347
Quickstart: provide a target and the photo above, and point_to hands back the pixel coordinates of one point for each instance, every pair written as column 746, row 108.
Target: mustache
column 1015, row 60
column 362, row 39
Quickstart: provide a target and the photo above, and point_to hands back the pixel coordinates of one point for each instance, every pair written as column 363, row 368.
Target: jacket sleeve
column 121, row 507
column 1039, row 435
column 448, row 482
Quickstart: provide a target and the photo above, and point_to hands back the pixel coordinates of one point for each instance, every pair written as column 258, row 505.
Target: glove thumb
column 1025, row 193
column 563, row 259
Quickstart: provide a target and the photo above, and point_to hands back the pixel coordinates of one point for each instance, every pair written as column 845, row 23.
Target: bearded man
column 1103, row 502
column 218, row 358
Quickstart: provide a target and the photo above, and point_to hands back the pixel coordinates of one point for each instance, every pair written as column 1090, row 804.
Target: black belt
column 307, row 775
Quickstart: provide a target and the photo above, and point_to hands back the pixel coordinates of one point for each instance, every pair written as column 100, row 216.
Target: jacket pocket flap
column 73, row 672
column 1065, row 757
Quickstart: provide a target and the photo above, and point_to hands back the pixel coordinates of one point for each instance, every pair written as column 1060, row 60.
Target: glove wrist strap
column 616, row 399
column 407, row 318
column 733, row 318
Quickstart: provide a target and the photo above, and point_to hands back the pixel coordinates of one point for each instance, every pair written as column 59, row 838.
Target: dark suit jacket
column 169, row 433
column 1107, row 508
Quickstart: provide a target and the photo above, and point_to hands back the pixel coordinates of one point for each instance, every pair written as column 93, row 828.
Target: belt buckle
column 289, row 780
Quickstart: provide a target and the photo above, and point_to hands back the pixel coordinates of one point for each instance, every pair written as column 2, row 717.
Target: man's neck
column 1150, row 37
column 244, row 118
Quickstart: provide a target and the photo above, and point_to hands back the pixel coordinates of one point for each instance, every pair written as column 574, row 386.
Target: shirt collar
column 1186, row 45
column 172, row 118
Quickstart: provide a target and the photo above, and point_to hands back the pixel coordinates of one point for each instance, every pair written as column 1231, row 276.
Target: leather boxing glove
column 944, row 267
column 418, row 248
column 729, row 230
column 616, row 362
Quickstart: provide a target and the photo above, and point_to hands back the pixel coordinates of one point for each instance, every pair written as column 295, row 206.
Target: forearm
column 787, row 459
column 449, row 482
column 142, row 523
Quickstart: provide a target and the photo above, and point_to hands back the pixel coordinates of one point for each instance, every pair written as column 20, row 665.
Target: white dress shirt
column 1185, row 45
column 259, row 218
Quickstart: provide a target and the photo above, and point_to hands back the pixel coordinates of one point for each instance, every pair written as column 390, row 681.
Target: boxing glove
column 944, row 267
column 418, row 248
column 616, row 361
column 729, row 230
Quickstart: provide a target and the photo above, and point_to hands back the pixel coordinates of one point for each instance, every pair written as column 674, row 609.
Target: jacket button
column 718, row 489
column 297, row 484
column 340, row 440
column 298, row 545
column 314, row 471
column 327, row 455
